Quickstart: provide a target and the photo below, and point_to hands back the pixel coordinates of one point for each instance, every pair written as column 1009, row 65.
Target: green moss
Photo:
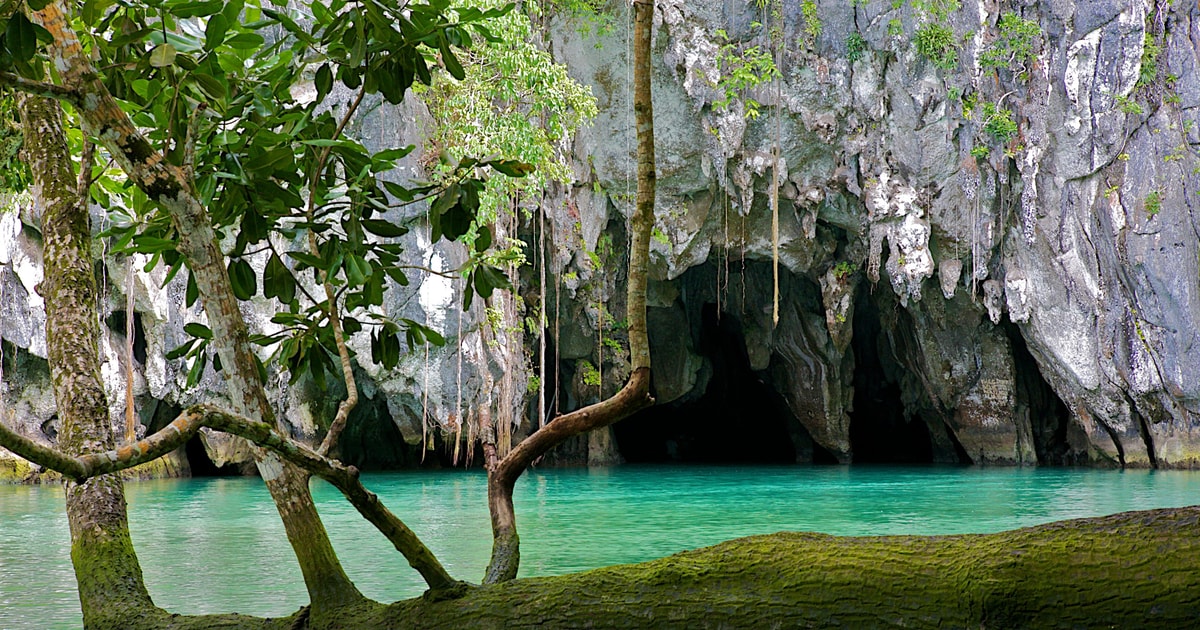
column 1128, row 570
column 13, row 470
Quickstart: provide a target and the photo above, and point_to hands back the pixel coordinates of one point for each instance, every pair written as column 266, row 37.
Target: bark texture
column 112, row 592
column 101, row 548
column 1130, row 570
column 635, row 395
column 326, row 581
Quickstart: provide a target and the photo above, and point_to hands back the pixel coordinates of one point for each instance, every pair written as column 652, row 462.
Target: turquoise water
column 216, row 545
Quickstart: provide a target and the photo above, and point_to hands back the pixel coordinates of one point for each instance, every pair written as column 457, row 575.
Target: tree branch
column 184, row 427
column 335, row 322
column 40, row 88
column 635, row 395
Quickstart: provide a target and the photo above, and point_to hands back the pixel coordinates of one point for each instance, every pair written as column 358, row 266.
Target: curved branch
column 635, row 395
column 335, row 320
column 184, row 427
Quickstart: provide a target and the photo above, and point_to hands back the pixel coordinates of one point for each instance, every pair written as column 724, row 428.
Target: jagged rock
column 1082, row 228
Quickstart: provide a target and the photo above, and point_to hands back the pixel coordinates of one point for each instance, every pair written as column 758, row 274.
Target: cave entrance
column 372, row 441
column 738, row 418
column 1048, row 415
column 202, row 466
column 881, row 430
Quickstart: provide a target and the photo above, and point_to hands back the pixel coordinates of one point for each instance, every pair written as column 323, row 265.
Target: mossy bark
column 108, row 573
column 112, row 593
column 1131, row 570
column 326, row 581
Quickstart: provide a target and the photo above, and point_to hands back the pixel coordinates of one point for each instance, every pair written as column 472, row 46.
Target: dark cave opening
column 738, row 419
column 201, row 466
column 881, row 430
column 1048, row 414
column 372, row 441
column 116, row 322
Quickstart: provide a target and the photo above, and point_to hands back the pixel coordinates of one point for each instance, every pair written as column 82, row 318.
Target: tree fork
column 328, row 586
column 635, row 395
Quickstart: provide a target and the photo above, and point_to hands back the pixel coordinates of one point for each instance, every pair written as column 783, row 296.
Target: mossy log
column 1130, row 570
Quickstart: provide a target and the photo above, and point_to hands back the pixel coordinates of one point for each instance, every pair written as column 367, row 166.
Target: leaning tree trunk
column 1131, row 570
column 328, row 586
column 112, row 593
column 635, row 395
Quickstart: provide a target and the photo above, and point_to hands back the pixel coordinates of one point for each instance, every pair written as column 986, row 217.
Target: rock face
column 987, row 250
column 994, row 261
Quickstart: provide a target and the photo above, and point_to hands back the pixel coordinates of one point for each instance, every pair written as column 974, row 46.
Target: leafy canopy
column 251, row 100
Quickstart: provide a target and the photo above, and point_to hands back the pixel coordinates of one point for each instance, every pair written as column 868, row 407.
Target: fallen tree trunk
column 1136, row 569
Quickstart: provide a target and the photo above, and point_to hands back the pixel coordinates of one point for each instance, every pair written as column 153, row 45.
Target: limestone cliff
column 988, row 250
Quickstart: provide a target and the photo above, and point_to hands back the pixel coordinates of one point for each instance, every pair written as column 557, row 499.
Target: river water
column 216, row 545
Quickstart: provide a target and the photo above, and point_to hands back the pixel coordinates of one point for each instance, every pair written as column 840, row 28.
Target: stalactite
column 3, row 403
column 557, row 338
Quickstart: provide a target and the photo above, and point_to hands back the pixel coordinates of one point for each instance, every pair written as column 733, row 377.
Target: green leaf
column 36, row 5
column 197, row 330
column 162, row 56
column 214, row 33
column 241, row 276
column 278, row 281
column 233, row 10
column 483, row 240
column 197, row 369
column 512, row 168
column 468, row 292
column 192, row 292
column 92, row 10
column 456, row 221
column 307, row 259
column 195, row 9
column 391, row 351
column 213, row 88
column 180, row 350
column 357, row 270
column 245, row 41
column 20, row 37
column 290, row 25
column 386, row 229
column 151, row 244
column 393, row 154
column 448, row 198
column 487, row 279
column 397, row 275
column 451, row 62
column 323, row 81
column 399, row 192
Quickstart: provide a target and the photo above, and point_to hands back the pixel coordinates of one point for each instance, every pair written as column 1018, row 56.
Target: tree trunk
column 1131, row 570
column 110, row 578
column 328, row 586
column 635, row 395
